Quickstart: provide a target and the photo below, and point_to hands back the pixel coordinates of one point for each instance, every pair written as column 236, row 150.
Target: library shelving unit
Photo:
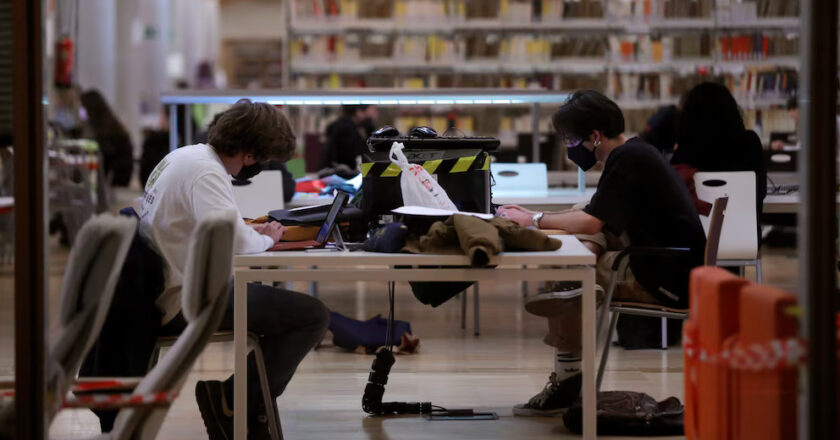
column 643, row 53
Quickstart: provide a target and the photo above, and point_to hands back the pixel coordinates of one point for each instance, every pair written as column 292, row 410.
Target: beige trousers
column 564, row 330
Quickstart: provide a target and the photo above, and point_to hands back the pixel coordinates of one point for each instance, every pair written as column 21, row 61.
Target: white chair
column 87, row 288
column 204, row 295
column 739, row 238
column 263, row 194
column 520, row 178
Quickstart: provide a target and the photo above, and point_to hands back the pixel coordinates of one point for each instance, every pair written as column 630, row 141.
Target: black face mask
column 248, row 171
column 581, row 156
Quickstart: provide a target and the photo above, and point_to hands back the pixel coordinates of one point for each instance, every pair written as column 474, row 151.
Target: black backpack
column 630, row 413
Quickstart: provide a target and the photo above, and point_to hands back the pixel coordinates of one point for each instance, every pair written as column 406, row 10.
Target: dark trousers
column 289, row 324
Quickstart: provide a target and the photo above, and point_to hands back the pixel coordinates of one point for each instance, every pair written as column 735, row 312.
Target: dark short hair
column 584, row 112
column 351, row 109
column 253, row 128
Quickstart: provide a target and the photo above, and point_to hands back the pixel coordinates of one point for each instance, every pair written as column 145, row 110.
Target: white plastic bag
column 418, row 187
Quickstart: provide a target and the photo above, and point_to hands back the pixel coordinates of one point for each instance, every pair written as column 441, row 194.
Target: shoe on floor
column 559, row 298
column 553, row 399
column 215, row 411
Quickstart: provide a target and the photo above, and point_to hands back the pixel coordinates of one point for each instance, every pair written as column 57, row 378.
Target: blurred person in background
column 346, row 137
column 711, row 136
column 112, row 137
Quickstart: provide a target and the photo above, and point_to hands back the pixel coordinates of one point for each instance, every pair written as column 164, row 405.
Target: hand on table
column 517, row 214
column 272, row 229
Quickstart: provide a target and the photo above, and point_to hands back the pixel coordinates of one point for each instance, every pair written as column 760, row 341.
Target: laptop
column 525, row 179
column 324, row 233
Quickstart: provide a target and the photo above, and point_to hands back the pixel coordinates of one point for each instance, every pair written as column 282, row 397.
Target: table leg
column 589, row 368
column 240, row 358
column 476, row 316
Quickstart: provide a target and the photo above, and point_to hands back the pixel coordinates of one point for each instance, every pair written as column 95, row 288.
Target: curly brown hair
column 253, row 128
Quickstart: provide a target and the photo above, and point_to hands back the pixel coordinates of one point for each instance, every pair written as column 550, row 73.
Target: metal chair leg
column 270, row 403
column 664, row 333
column 313, row 286
column 605, row 353
column 463, row 296
column 154, row 359
column 524, row 286
column 476, row 322
column 758, row 270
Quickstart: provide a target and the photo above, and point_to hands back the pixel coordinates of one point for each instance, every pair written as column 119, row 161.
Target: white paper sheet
column 433, row 212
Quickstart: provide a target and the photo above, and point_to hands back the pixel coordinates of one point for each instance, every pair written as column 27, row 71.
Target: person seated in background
column 711, row 137
column 194, row 180
column 112, row 137
column 661, row 130
column 640, row 201
column 346, row 137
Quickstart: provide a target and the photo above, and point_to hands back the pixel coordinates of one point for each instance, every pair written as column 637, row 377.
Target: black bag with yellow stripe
column 463, row 173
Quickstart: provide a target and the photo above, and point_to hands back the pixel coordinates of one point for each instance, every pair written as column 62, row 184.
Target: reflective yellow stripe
column 431, row 165
column 463, row 164
column 486, row 165
column 366, row 168
column 391, row 171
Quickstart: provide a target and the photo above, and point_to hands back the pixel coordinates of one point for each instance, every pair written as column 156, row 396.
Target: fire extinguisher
column 64, row 62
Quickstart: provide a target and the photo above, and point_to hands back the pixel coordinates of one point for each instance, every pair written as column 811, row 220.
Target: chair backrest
column 204, row 296
column 90, row 277
column 525, row 178
column 263, row 194
column 739, row 236
column 715, row 226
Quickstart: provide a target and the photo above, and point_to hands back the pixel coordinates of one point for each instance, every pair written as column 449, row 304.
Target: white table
column 571, row 262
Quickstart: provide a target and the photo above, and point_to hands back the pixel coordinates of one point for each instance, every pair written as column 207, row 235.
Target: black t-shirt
column 344, row 143
column 640, row 193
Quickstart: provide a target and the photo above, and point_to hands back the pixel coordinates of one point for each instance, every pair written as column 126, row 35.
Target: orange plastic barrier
column 765, row 399
column 713, row 318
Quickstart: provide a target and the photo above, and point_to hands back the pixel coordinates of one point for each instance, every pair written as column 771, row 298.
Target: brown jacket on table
column 479, row 239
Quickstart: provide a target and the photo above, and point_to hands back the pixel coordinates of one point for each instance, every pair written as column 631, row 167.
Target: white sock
column 566, row 365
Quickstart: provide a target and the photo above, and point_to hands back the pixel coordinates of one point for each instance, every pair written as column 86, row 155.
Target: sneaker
column 215, row 411
column 553, row 399
column 558, row 299
column 218, row 414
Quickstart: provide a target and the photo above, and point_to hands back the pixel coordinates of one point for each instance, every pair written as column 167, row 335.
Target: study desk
column 571, row 262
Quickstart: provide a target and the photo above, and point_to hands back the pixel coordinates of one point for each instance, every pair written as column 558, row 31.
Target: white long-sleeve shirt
column 186, row 184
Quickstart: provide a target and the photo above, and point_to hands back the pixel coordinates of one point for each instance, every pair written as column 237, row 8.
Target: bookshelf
column 643, row 53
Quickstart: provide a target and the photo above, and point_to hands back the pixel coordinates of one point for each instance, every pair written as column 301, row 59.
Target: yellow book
column 432, row 48
column 413, row 83
column 504, row 8
column 400, row 9
column 466, row 124
column 505, row 124
column 349, row 8
column 656, row 51
column 335, row 81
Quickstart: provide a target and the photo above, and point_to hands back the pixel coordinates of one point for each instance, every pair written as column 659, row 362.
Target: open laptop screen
column 339, row 203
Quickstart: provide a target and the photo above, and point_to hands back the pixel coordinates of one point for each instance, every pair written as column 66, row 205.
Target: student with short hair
column 194, row 180
column 346, row 137
column 640, row 201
